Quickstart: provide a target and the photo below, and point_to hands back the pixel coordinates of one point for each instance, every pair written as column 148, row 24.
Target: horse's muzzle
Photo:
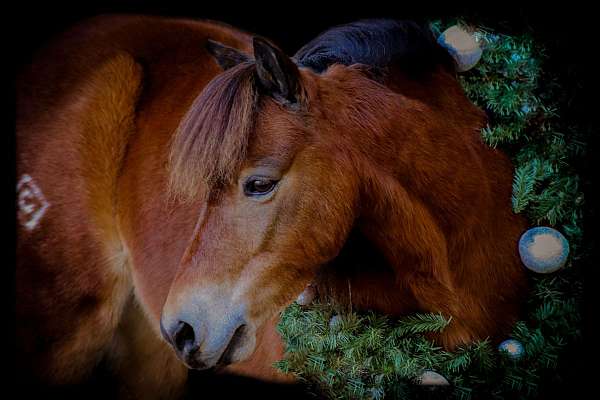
column 199, row 352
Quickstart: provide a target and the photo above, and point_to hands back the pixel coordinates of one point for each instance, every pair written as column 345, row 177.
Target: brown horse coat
column 95, row 113
column 100, row 240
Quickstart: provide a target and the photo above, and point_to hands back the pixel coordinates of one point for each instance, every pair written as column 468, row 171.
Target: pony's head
column 284, row 153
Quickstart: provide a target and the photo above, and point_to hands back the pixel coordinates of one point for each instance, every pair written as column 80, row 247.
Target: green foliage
column 369, row 356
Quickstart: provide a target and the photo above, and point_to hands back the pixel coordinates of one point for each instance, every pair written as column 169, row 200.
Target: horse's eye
column 257, row 186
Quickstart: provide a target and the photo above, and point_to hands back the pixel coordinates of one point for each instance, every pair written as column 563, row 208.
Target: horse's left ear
column 226, row 56
column 277, row 73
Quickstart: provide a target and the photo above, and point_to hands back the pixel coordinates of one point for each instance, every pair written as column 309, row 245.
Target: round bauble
column 513, row 348
column 335, row 323
column 307, row 296
column 543, row 249
column 462, row 46
column 432, row 378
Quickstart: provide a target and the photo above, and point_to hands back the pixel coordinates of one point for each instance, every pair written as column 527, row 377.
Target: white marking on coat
column 31, row 201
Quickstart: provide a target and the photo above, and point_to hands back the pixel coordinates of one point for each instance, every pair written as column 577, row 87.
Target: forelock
column 212, row 139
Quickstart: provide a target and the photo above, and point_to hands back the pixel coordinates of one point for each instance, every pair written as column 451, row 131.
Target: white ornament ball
column 432, row 378
column 335, row 322
column 543, row 249
column 307, row 296
column 512, row 347
column 462, row 46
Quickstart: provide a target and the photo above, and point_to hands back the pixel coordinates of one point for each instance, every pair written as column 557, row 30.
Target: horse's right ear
column 277, row 73
column 226, row 56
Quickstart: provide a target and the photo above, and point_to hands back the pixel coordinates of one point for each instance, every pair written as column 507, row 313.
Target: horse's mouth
column 234, row 343
column 193, row 361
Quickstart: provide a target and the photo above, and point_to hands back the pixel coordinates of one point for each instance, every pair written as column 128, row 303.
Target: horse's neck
column 437, row 208
column 409, row 236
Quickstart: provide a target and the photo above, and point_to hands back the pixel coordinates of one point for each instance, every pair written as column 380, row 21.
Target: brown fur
column 441, row 215
column 82, row 106
column 74, row 264
column 115, row 104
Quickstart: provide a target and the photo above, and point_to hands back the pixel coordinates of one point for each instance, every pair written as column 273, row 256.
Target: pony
column 182, row 182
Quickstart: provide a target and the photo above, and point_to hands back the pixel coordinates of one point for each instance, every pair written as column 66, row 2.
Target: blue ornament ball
column 543, row 249
column 513, row 348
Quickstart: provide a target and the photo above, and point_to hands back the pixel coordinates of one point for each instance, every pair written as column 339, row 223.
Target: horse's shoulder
column 76, row 111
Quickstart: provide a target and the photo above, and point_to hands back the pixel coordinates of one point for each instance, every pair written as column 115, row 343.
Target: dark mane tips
column 379, row 43
column 211, row 141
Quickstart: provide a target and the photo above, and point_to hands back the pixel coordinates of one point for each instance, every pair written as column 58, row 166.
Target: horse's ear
column 226, row 56
column 277, row 73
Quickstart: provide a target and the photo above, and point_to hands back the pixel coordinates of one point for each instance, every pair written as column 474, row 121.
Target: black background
column 567, row 31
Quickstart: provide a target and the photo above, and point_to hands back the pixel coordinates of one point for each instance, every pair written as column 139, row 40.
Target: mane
column 379, row 43
column 211, row 141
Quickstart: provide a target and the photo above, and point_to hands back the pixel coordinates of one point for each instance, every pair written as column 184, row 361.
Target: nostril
column 234, row 343
column 184, row 337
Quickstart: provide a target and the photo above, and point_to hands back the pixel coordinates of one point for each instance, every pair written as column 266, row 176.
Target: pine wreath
column 369, row 356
